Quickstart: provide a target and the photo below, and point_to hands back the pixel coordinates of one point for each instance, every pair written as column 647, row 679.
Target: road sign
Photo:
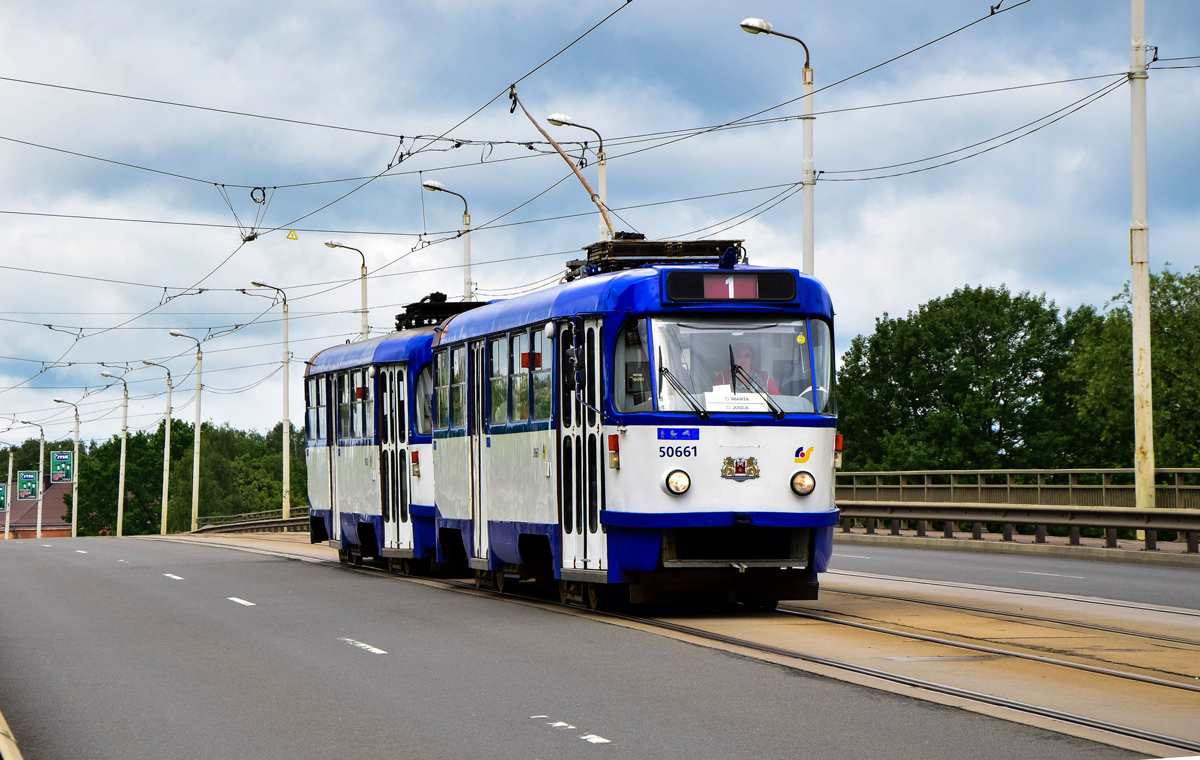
column 27, row 485
column 62, row 466
column 3, row 497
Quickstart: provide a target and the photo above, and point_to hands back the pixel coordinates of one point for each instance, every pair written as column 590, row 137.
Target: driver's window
column 631, row 374
column 822, row 349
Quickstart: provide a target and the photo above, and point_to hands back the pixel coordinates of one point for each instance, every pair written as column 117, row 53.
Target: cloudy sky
column 1048, row 212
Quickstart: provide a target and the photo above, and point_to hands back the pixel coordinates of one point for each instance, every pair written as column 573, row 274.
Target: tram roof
column 411, row 346
column 632, row 291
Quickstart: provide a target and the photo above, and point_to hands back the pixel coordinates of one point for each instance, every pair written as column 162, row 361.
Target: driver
column 743, row 356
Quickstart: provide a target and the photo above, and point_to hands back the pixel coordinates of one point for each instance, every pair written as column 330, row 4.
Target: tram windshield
column 726, row 365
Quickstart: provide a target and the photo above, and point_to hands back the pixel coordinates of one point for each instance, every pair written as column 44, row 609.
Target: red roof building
column 56, row 513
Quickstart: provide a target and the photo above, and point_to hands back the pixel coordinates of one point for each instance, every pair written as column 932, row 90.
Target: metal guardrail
column 1177, row 488
column 276, row 525
column 274, row 514
column 1009, row 515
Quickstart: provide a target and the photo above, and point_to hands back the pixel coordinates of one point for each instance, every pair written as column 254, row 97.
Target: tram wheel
column 344, row 556
column 503, row 583
column 484, row 579
column 564, row 595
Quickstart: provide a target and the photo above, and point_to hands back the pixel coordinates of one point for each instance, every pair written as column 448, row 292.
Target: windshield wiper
column 736, row 370
column 678, row 386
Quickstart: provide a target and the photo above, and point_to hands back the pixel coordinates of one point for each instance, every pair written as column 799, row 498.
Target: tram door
column 581, row 472
column 393, row 457
column 476, row 378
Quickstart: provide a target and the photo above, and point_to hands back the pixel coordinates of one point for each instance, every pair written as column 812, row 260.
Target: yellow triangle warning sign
column 292, row 235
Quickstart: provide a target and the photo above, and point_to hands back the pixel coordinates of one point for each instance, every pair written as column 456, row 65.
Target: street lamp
column 41, row 471
column 8, row 497
column 75, row 474
column 124, row 435
column 435, row 186
column 808, row 181
column 362, row 279
column 166, row 446
column 196, row 443
column 287, row 422
column 562, row 120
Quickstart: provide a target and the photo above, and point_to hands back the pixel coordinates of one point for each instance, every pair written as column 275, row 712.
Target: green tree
column 1103, row 369
column 974, row 380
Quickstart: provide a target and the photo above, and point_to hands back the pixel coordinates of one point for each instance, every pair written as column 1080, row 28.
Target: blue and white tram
column 369, row 442
column 653, row 433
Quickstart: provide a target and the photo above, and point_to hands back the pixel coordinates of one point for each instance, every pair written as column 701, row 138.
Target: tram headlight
column 678, row 482
column 803, row 483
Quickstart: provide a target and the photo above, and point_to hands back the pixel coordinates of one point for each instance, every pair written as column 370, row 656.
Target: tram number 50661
column 677, row 451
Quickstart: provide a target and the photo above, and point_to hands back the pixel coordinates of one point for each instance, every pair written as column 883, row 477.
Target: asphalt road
column 122, row 648
column 1143, row 584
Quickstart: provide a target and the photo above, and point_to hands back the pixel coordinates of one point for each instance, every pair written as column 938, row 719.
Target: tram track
column 1023, row 592
column 725, row 640
column 1019, row 616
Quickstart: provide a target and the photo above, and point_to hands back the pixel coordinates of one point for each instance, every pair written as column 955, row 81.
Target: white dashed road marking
column 47, row 545
column 563, row 726
column 1052, row 575
column 122, row 560
column 240, row 601
column 173, row 577
column 851, row 556
column 80, row 551
column 362, row 646
column 595, row 739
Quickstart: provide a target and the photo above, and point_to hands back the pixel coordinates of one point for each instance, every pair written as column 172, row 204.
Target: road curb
column 1089, row 553
column 8, row 743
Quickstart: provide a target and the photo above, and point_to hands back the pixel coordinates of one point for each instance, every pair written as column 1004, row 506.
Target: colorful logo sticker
column 802, row 454
column 739, row 469
column 679, row 434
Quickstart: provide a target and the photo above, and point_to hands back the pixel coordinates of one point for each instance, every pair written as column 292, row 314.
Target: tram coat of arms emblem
column 738, row 469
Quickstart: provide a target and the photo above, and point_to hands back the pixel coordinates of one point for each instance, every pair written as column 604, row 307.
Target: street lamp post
column 287, row 422
column 41, row 471
column 562, row 120
column 362, row 279
column 75, row 474
column 196, row 442
column 808, row 180
column 166, row 448
column 124, row 436
column 435, row 186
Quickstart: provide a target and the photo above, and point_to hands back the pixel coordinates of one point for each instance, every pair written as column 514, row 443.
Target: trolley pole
column 1139, row 259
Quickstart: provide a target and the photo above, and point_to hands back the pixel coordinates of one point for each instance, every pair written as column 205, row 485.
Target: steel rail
column 1023, row 592
column 1020, row 615
column 996, row 651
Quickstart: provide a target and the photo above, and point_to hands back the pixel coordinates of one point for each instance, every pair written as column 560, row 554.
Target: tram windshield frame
column 724, row 364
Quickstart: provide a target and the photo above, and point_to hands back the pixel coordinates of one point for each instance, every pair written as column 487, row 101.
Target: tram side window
column 345, row 407
column 519, row 385
column 498, row 381
column 441, row 395
column 423, row 402
column 314, row 418
column 631, row 376
column 540, row 373
column 367, row 404
column 458, row 387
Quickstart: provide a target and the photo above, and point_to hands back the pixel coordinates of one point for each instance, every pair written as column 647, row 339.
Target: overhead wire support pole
column 286, row 423
column 512, row 94
column 74, row 473
column 1139, row 259
column 124, row 437
column 196, row 441
column 162, row 531
column 41, row 486
column 8, row 497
